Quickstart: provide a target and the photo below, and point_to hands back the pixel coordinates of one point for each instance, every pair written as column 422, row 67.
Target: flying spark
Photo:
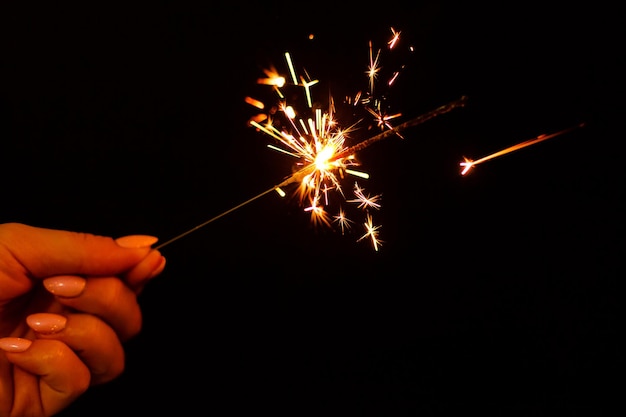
column 371, row 232
column 468, row 164
column 363, row 200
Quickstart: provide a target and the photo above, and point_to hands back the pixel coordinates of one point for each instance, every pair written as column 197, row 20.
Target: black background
column 498, row 292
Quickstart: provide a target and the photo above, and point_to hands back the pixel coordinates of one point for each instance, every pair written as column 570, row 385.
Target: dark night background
column 495, row 293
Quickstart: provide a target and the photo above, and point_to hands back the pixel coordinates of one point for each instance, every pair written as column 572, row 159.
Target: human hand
column 68, row 301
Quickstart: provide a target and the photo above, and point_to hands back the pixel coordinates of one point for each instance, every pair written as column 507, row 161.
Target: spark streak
column 468, row 164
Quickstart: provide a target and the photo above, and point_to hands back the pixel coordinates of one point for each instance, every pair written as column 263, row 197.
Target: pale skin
column 68, row 302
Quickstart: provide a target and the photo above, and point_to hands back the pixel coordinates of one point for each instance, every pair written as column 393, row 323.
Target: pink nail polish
column 158, row 269
column 65, row 286
column 136, row 241
column 46, row 323
column 14, row 344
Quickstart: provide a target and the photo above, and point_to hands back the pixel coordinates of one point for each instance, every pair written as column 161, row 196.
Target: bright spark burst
column 318, row 214
column 382, row 120
column 373, row 69
column 344, row 223
column 394, row 39
column 371, row 232
column 363, row 200
column 316, row 140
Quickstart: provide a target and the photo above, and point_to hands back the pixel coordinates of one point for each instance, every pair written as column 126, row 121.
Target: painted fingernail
column 136, row 241
column 46, row 323
column 14, row 344
column 158, row 269
column 65, row 286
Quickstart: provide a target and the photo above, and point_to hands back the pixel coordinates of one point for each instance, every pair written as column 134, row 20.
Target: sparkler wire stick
column 298, row 175
column 215, row 218
column 413, row 122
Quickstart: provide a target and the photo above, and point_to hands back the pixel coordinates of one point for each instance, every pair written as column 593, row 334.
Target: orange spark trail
column 469, row 164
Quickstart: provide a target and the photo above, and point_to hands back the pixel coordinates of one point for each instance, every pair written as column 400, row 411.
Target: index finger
column 46, row 252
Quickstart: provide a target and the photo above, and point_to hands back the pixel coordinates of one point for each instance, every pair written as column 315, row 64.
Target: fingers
column 110, row 298
column 136, row 278
column 47, row 252
column 95, row 343
column 70, row 353
column 105, row 297
column 151, row 266
column 47, row 366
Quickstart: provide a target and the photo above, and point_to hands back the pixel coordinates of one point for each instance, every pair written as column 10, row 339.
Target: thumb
column 45, row 252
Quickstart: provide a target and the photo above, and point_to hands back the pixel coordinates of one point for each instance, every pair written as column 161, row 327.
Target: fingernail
column 65, row 286
column 46, row 323
column 14, row 344
column 136, row 241
column 158, row 269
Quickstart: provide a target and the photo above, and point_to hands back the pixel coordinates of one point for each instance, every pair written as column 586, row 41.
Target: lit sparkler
column 317, row 140
column 298, row 176
column 319, row 144
column 468, row 164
